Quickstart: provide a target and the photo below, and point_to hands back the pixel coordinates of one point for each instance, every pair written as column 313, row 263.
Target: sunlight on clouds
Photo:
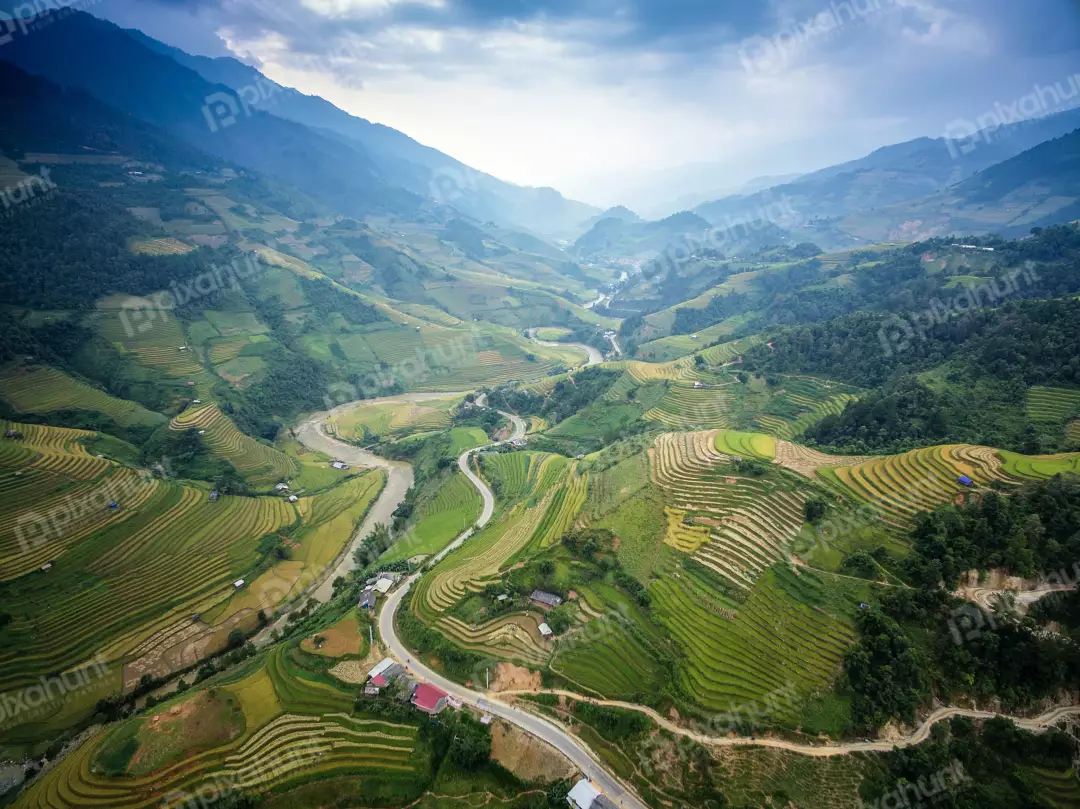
column 363, row 8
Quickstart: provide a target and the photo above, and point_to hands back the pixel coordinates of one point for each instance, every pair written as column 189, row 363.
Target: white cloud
column 358, row 9
column 589, row 102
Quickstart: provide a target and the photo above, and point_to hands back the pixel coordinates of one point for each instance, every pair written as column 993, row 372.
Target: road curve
column 825, row 749
column 594, row 356
column 311, row 434
column 538, row 726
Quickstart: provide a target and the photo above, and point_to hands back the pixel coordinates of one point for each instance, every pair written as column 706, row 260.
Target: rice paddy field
column 278, row 725
column 131, row 558
column 1052, row 404
column 782, row 638
column 452, row 508
column 393, row 418
column 736, row 525
column 159, row 247
column 262, row 465
column 675, row 346
column 547, row 493
column 899, row 486
column 42, row 389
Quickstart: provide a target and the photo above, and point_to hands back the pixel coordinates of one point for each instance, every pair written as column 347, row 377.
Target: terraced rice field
column 745, row 445
column 1052, row 404
column 1040, row 467
column 699, row 407
column 548, row 494
column 512, row 637
column 1072, row 431
column 223, row 351
column 295, row 729
column 899, row 486
column 50, row 449
column 44, row 513
column 612, row 663
column 801, row 403
column 807, row 461
column 675, row 346
column 392, row 418
column 773, row 649
column 739, row 526
column 262, row 465
column 42, row 389
column 454, row 507
column 173, row 554
column 154, row 336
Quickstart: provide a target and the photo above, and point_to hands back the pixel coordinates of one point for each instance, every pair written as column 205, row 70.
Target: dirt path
column 825, row 749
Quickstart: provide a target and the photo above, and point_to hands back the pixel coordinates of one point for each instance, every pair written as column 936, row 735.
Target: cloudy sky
column 607, row 99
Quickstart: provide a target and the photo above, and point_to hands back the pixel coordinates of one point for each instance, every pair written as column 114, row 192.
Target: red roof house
column 429, row 699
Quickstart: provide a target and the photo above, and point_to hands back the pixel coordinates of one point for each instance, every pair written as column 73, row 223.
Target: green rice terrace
column 130, row 558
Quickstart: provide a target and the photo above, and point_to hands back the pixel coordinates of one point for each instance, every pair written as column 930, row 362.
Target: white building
column 545, row 630
column 583, row 795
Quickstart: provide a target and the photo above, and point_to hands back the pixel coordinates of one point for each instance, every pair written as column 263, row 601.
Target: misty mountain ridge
column 401, row 160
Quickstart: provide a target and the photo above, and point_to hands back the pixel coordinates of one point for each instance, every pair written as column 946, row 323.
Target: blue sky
column 606, row 99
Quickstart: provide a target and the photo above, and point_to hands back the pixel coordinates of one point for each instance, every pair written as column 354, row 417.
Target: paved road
column 551, row 733
column 485, row 493
column 594, row 356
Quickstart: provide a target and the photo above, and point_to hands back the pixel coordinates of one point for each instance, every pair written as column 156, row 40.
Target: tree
column 471, row 747
column 814, row 509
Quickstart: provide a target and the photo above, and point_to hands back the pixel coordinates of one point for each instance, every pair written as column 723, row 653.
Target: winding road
column 594, row 356
column 312, row 434
column 823, row 749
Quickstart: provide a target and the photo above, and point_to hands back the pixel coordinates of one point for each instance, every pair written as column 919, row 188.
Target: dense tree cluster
column 965, row 766
column 922, row 635
column 565, row 399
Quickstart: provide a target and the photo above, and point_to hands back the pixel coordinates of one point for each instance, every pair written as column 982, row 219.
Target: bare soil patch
column 509, row 677
column 526, row 756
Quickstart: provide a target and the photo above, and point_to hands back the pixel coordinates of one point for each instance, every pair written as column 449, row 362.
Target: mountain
column 890, row 175
column 619, row 236
column 401, row 161
column 1036, row 188
column 129, row 76
column 620, row 212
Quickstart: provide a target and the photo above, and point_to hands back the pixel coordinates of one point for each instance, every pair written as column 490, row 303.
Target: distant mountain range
column 231, row 110
column 1036, row 188
column 889, row 176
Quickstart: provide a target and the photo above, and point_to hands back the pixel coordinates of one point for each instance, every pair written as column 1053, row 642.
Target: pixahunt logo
column 23, row 706
column 32, row 190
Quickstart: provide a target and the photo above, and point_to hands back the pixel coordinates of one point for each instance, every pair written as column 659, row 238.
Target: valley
column 337, row 472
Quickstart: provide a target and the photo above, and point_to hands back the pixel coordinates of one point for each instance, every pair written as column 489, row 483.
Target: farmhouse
column 383, row 673
column 293, row 498
column 238, row 583
column 546, row 600
column 545, row 630
column 586, row 796
column 281, row 487
column 339, row 465
column 383, row 586
column 367, row 601
column 429, row 699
